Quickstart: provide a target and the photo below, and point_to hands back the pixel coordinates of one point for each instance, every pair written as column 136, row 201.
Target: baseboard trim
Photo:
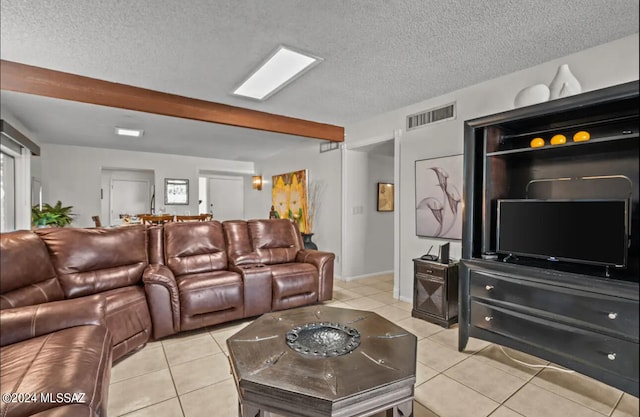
column 406, row 299
column 357, row 277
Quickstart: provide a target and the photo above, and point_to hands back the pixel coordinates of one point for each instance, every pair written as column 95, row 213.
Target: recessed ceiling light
column 283, row 66
column 136, row 133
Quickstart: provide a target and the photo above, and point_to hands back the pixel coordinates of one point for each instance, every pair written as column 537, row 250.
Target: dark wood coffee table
column 294, row 363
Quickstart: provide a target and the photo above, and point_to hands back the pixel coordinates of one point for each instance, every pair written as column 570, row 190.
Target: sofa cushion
column 209, row 298
column 274, row 241
column 27, row 276
column 209, row 292
column 73, row 360
column 128, row 319
column 26, row 322
column 90, row 261
column 239, row 249
column 194, row 247
column 294, row 285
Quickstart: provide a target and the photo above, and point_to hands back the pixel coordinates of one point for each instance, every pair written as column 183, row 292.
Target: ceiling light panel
column 136, row 133
column 282, row 67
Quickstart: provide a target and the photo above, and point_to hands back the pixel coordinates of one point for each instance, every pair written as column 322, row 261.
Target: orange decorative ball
column 581, row 136
column 558, row 140
column 537, row 142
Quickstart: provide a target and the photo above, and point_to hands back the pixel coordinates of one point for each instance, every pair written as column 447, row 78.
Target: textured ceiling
column 378, row 55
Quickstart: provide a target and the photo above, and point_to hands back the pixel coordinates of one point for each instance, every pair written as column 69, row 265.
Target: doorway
column 223, row 196
column 369, row 234
column 126, row 192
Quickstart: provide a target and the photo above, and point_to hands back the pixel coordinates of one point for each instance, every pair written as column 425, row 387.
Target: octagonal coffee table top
column 321, row 353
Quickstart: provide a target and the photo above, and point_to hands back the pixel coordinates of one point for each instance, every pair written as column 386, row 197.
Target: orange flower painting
column 289, row 197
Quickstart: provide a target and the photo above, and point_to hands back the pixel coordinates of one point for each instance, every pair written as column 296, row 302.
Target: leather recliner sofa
column 73, row 300
column 205, row 273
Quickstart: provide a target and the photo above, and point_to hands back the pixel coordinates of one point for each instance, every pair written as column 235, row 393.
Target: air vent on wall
column 426, row 117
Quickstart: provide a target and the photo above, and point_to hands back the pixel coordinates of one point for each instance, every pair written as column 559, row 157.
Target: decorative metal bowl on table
column 323, row 339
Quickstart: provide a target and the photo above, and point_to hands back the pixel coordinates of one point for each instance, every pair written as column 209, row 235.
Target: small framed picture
column 176, row 191
column 385, row 196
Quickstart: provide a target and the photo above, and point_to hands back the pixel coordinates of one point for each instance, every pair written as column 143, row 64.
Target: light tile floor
column 188, row 375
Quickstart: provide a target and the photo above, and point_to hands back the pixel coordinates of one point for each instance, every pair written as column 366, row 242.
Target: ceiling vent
column 426, row 117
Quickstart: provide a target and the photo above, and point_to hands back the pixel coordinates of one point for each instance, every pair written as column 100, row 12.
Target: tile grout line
column 173, row 381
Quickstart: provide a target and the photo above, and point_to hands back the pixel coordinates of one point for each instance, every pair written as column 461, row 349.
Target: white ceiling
column 379, row 55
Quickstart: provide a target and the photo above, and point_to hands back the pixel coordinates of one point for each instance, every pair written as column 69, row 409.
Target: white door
column 226, row 197
column 129, row 197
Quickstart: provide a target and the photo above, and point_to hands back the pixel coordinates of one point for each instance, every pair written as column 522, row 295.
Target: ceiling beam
column 62, row 85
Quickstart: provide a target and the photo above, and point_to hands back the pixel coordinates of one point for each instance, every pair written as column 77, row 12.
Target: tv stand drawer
column 591, row 310
column 592, row 349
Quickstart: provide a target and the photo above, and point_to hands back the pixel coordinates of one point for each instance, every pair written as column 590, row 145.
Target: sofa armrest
column 164, row 300
column 22, row 323
column 323, row 261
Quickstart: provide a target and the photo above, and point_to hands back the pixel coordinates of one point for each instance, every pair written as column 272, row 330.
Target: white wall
column 356, row 169
column 603, row 66
column 324, row 168
column 72, row 174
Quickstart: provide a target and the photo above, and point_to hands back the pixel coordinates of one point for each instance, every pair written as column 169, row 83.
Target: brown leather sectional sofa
column 73, row 300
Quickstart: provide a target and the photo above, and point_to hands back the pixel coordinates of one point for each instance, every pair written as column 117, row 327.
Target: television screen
column 584, row 231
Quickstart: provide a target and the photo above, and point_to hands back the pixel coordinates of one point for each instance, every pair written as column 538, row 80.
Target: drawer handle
column 488, row 287
column 611, row 356
column 488, row 318
column 613, row 316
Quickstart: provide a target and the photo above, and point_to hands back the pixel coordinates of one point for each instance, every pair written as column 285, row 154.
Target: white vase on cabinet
column 531, row 95
column 564, row 83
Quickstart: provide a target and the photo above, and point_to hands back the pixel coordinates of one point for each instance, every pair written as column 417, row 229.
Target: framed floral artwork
column 439, row 197
column 385, row 196
column 289, row 197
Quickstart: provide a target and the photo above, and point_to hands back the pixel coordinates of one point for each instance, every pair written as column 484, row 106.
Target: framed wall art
column 176, row 191
column 289, row 197
column 385, row 196
column 439, row 197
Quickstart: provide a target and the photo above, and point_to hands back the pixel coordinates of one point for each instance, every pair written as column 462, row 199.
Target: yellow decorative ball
column 558, row 140
column 537, row 142
column 581, row 136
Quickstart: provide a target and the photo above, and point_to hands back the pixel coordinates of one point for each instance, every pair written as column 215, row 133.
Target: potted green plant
column 46, row 215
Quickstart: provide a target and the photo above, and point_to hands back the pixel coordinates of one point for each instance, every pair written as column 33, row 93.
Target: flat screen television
column 583, row 231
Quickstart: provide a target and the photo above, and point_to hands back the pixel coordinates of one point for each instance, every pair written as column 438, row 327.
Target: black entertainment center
column 550, row 247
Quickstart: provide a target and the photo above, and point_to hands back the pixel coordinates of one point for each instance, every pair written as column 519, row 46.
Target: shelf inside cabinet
column 589, row 143
column 510, row 140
